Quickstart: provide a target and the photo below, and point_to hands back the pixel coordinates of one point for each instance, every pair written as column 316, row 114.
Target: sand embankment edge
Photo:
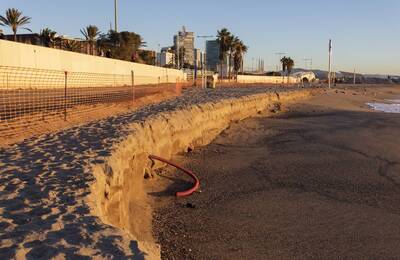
column 117, row 195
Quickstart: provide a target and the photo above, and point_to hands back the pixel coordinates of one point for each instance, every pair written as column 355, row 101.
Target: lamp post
column 159, row 55
column 177, row 51
column 116, row 15
column 204, row 65
column 330, row 63
column 280, row 54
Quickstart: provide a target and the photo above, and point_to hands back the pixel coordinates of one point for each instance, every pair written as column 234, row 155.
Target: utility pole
column 279, row 54
column 354, row 77
column 177, row 51
column 203, row 76
column 116, row 15
column 330, row 65
column 159, row 55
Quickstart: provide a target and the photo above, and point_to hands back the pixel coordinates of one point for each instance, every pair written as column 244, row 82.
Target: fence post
column 133, row 85
column 65, row 94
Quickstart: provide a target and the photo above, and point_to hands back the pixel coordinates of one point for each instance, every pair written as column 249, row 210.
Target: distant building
column 186, row 43
column 28, row 38
column 198, row 58
column 212, row 55
column 166, row 57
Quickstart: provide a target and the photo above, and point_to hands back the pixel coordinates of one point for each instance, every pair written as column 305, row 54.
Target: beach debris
column 190, row 205
column 277, row 95
column 276, row 108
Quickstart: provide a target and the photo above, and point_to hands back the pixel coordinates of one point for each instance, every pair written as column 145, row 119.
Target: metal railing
column 35, row 96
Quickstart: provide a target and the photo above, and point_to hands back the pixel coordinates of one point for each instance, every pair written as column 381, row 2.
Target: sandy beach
column 45, row 183
column 199, row 130
column 282, row 186
column 318, row 180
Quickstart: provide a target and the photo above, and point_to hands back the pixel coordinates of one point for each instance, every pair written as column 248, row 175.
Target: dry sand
column 45, row 183
column 319, row 181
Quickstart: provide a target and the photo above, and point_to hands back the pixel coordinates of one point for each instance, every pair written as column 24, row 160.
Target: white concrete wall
column 266, row 79
column 30, row 56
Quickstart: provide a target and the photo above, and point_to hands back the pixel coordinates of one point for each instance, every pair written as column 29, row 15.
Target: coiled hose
column 188, row 172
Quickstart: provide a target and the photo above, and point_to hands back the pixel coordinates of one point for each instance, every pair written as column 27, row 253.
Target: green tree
column 14, row 20
column 284, row 63
column 47, row 36
column 70, row 45
column 238, row 51
column 232, row 40
column 289, row 66
column 91, row 33
column 146, row 57
column 224, row 40
column 122, row 45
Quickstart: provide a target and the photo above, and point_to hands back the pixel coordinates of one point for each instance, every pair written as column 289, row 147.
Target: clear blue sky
column 366, row 33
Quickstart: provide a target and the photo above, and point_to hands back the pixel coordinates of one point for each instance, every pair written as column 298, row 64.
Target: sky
column 365, row 33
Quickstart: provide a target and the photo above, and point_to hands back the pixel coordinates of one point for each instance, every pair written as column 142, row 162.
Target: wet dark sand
column 321, row 180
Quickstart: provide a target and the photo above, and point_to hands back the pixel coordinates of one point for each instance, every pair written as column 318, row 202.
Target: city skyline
column 365, row 35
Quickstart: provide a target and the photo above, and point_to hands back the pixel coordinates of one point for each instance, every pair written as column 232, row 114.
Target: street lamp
column 203, row 76
column 116, row 15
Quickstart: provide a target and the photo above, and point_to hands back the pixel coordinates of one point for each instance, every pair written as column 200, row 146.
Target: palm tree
column 71, row 45
column 231, row 43
column 284, row 66
column 284, row 63
column 224, row 38
column 14, row 19
column 91, row 33
column 289, row 66
column 239, row 50
column 47, row 36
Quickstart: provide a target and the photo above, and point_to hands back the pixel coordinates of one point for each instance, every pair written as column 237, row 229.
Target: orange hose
column 190, row 173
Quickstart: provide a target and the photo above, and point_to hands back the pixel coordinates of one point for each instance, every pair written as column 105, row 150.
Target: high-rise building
column 212, row 55
column 186, row 45
column 166, row 57
column 198, row 58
